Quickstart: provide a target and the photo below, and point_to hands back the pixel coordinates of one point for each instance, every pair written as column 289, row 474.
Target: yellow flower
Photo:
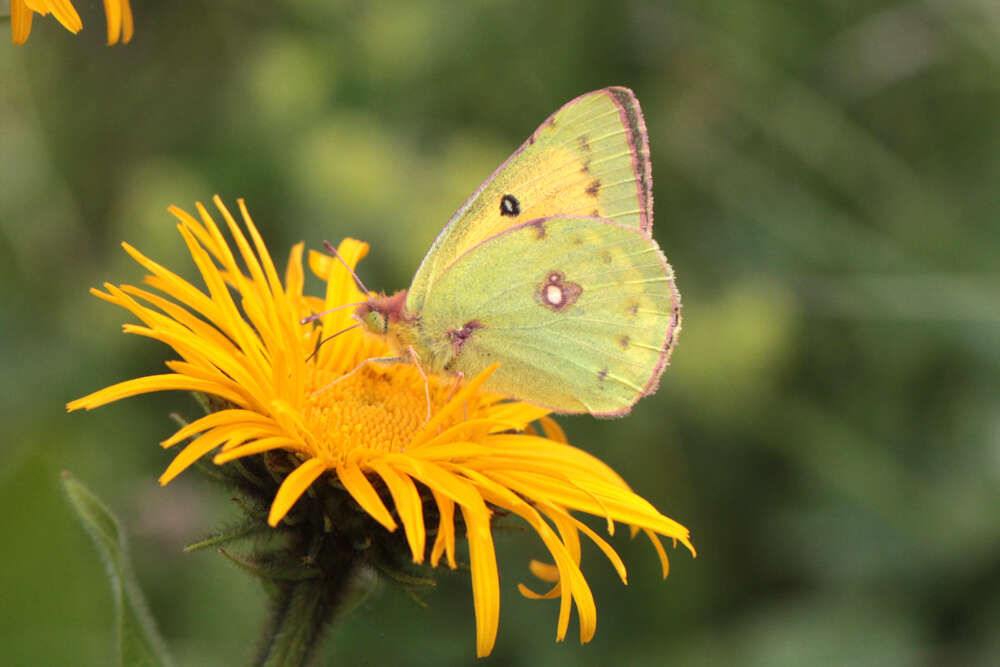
column 242, row 342
column 118, row 12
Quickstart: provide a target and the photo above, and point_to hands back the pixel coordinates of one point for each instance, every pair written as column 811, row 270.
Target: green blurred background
column 826, row 177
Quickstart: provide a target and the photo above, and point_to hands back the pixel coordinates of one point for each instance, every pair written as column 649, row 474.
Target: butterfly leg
column 427, row 387
column 358, row 368
column 459, row 376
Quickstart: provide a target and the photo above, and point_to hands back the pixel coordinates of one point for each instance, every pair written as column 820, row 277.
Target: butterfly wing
column 581, row 312
column 591, row 158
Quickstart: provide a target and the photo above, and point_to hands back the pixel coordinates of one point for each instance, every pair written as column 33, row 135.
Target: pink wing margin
column 669, row 343
column 638, row 140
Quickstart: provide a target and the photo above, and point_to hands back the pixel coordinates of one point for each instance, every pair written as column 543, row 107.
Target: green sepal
column 274, row 572
column 244, row 530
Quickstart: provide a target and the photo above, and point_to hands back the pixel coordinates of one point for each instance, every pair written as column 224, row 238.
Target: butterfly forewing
column 590, row 158
column 581, row 312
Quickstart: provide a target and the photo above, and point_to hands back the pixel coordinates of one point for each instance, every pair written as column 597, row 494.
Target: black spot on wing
column 594, row 188
column 509, row 206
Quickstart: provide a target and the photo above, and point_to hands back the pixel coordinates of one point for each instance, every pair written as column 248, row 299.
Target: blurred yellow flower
column 118, row 12
column 119, row 19
column 243, row 343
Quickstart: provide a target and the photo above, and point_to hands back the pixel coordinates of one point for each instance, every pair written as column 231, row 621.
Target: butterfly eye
column 509, row 206
column 376, row 322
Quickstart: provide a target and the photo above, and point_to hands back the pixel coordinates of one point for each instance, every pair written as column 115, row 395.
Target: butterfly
column 550, row 269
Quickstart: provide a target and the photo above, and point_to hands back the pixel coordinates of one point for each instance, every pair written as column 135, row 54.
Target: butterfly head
column 381, row 312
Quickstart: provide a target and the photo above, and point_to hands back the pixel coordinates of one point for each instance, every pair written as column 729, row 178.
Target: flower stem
column 302, row 612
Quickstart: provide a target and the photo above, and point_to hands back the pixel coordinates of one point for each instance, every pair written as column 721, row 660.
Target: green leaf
column 139, row 642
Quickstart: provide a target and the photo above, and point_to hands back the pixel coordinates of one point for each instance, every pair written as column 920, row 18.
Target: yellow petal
column 408, row 506
column 661, row 552
column 294, row 275
column 119, row 20
column 453, row 406
column 571, row 578
column 293, row 487
column 149, row 384
column 439, row 479
column 128, row 26
column 567, row 523
column 485, row 580
column 194, row 451
column 20, row 21
column 444, row 543
column 552, row 430
column 182, row 316
column 113, row 14
column 544, row 571
column 362, row 491
column 230, row 417
column 66, row 14
column 238, row 449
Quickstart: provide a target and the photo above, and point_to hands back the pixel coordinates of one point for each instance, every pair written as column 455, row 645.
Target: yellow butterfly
column 549, row 268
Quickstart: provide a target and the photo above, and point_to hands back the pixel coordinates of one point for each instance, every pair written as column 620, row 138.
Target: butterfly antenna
column 331, row 336
column 333, row 251
column 313, row 318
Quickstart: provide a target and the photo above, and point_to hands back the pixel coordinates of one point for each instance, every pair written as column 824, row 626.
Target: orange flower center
column 373, row 410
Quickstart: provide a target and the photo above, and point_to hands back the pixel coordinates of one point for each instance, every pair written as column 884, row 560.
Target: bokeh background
column 827, row 180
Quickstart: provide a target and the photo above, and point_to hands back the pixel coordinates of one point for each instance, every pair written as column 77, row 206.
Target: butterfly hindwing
column 590, row 158
column 581, row 312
